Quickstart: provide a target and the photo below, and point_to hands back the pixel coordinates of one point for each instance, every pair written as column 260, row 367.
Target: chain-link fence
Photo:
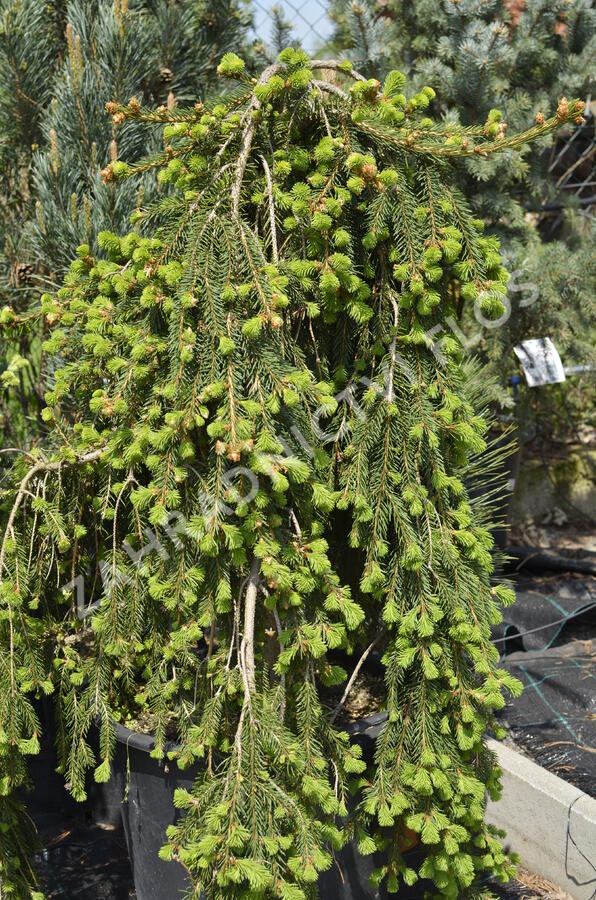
column 572, row 164
column 306, row 22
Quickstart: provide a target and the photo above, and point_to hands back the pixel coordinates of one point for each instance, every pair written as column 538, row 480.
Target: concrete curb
column 550, row 823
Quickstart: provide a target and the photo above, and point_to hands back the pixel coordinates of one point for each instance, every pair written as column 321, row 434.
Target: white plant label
column 540, row 361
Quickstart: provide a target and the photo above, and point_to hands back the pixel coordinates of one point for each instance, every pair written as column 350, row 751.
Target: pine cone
column 23, row 273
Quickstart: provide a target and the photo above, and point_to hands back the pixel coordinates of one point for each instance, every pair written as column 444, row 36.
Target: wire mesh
column 310, row 23
column 572, row 165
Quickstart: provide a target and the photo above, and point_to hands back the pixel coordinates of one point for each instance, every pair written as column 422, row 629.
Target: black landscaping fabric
column 548, row 610
column 554, row 721
column 550, row 645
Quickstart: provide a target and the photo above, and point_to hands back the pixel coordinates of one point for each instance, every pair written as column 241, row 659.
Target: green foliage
column 162, row 52
column 18, row 841
column 520, row 58
column 553, row 293
column 258, row 444
column 59, row 64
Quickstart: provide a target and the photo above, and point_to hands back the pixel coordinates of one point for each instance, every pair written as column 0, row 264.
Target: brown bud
column 118, row 119
column 580, row 120
column 107, row 174
column 369, row 171
column 540, row 118
column 563, row 108
column 134, row 105
column 111, row 107
column 220, row 447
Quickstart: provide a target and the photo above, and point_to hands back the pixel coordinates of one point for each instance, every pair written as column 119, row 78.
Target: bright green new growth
column 521, row 57
column 261, row 437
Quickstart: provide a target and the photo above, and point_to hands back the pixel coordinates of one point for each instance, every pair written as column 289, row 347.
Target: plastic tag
column 540, row 361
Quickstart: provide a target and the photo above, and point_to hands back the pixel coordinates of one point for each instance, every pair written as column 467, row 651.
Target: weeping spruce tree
column 259, row 443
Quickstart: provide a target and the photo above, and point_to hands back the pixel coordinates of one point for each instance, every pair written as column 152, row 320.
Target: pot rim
column 368, row 726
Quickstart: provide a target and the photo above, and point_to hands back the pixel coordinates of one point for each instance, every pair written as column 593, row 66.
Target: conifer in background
column 60, row 63
column 161, row 52
column 257, row 354
column 518, row 56
column 30, row 45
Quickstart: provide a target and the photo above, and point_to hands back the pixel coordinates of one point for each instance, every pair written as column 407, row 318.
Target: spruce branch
column 415, row 141
column 41, row 466
column 247, row 137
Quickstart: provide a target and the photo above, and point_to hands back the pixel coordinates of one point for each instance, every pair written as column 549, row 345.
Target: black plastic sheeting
column 554, row 721
column 549, row 643
column 549, row 610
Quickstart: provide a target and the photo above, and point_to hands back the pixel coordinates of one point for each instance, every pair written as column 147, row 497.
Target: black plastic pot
column 147, row 810
column 104, row 799
column 146, row 786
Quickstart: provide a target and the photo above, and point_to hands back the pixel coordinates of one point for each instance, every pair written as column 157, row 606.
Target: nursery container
column 147, row 786
column 105, row 798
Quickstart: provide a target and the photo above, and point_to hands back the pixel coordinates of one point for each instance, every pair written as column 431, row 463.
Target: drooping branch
column 42, row 466
column 247, row 138
column 269, row 180
column 247, row 648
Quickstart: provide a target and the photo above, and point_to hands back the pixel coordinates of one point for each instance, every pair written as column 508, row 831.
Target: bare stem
column 248, row 637
column 274, row 250
column 354, row 676
column 390, row 391
column 336, row 65
column 247, row 138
